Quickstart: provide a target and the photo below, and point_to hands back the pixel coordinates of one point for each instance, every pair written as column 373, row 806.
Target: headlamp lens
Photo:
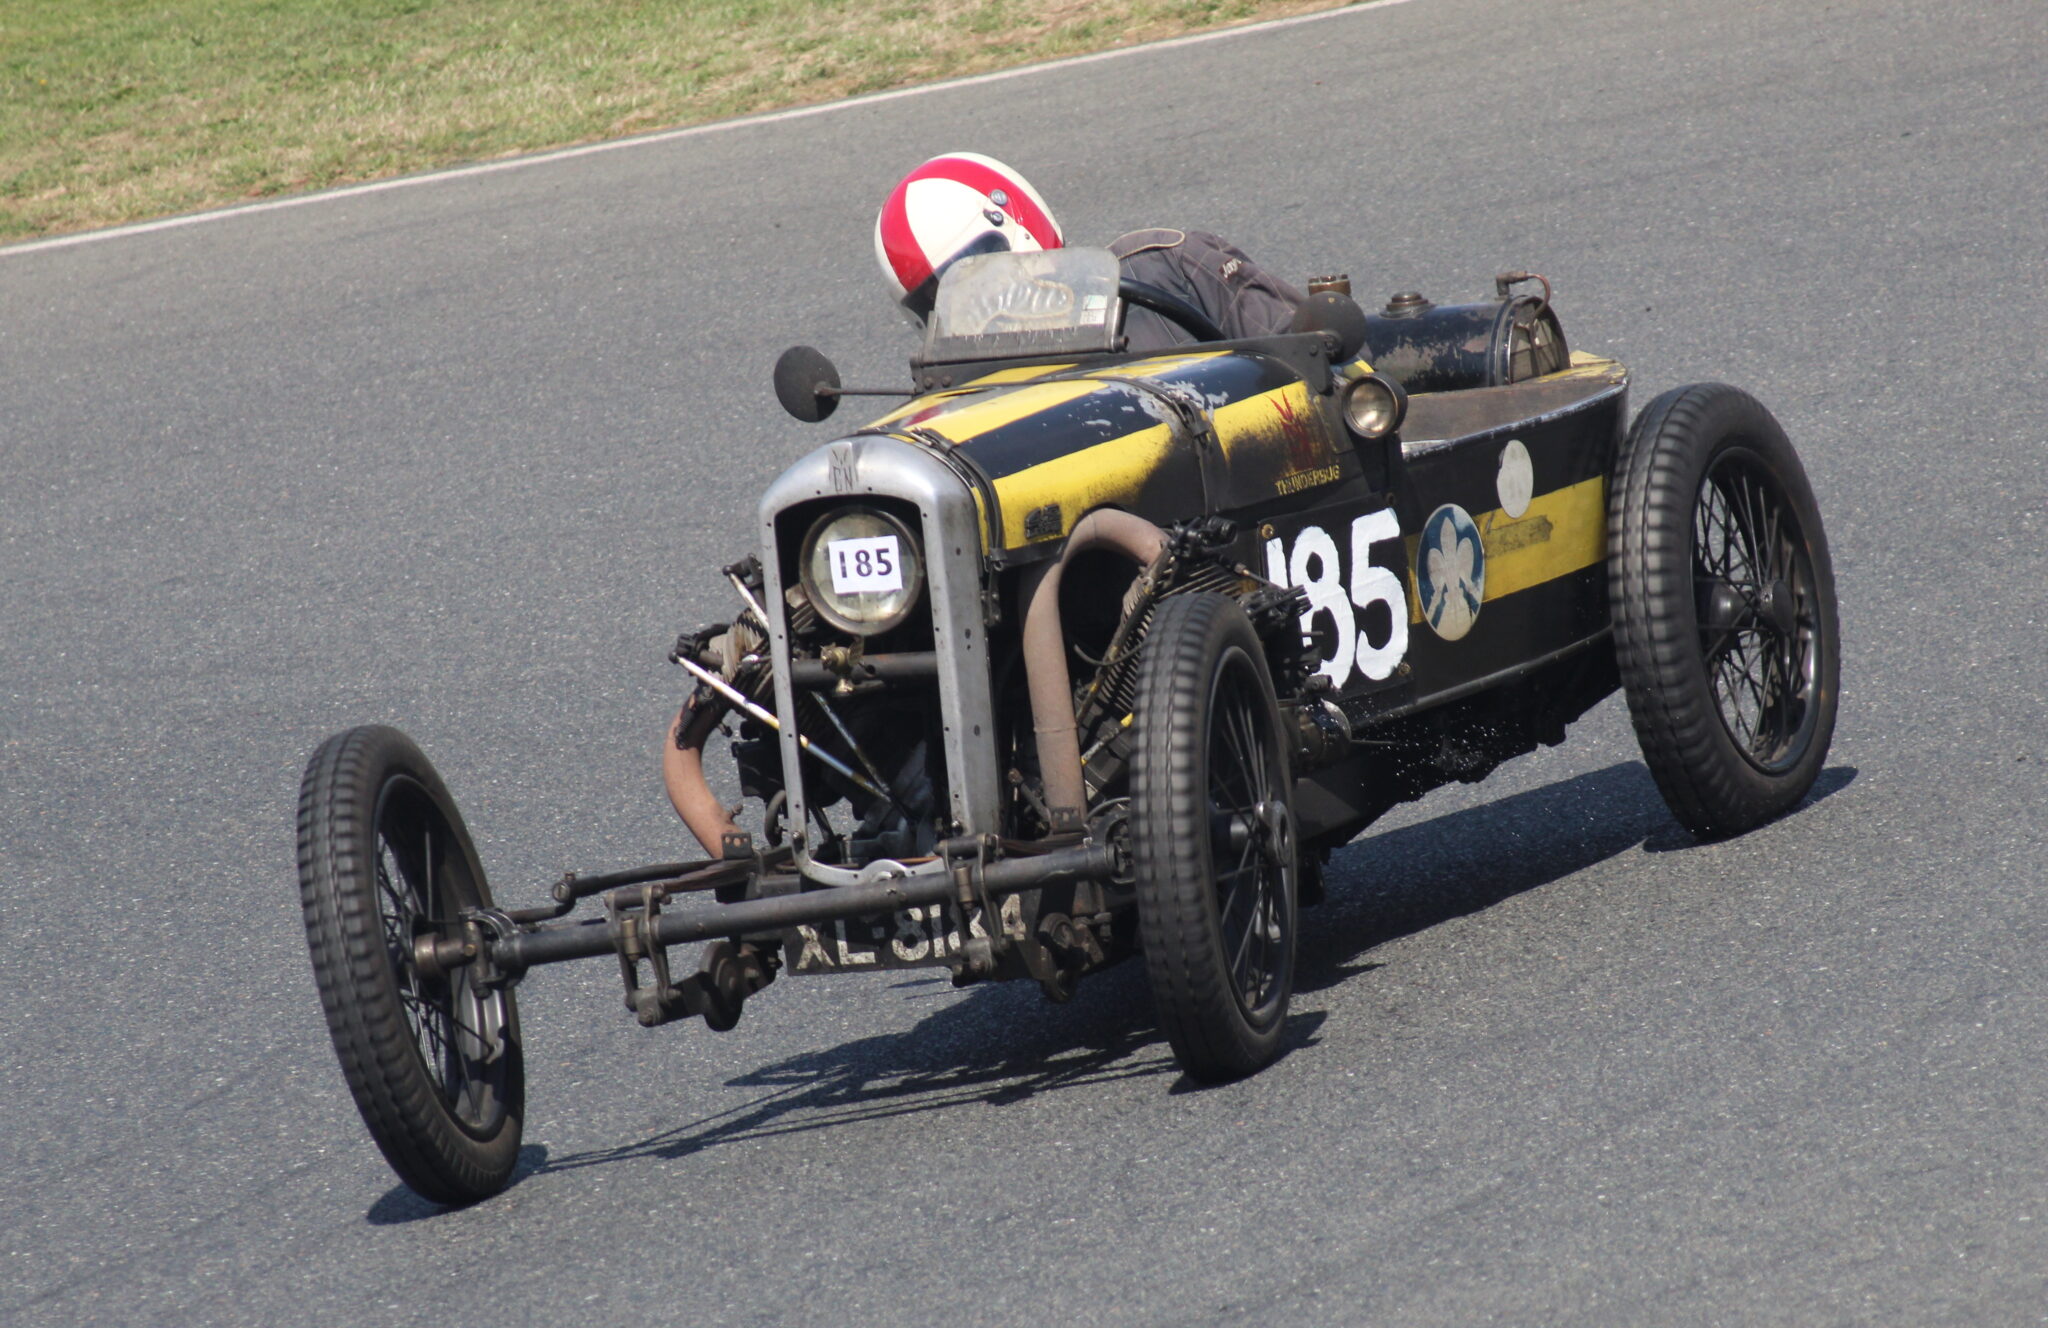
column 1373, row 407
column 861, row 570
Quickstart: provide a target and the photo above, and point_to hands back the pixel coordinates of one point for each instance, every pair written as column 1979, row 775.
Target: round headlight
column 1373, row 406
column 861, row 570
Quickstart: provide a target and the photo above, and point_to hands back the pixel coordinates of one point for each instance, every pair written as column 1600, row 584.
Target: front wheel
column 1724, row 609
column 386, row 870
column 1212, row 836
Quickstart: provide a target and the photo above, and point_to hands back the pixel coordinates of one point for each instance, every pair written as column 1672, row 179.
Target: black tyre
column 431, row 1054
column 1212, row 835
column 1724, row 609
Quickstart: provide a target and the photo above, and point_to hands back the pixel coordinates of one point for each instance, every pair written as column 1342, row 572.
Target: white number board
column 1316, row 564
column 865, row 566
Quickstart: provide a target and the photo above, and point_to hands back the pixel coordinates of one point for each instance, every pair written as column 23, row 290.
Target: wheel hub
column 433, row 954
column 1727, row 608
column 1776, row 607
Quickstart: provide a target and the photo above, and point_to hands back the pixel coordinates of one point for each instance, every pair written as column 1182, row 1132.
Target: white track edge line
column 671, row 135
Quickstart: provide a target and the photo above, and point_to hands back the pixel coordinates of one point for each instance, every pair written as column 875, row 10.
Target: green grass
column 116, row 110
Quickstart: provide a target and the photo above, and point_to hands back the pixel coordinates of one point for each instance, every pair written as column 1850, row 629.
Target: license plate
column 918, row 936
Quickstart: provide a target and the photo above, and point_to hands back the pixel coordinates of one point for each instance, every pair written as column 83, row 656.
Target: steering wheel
column 1170, row 307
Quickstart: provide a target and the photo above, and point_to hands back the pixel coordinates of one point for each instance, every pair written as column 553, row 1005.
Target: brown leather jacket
column 1208, row 272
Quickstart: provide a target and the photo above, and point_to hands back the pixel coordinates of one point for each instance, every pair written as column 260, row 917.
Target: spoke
column 1239, row 964
column 1227, row 905
column 445, row 1014
column 1745, row 523
column 434, row 1051
column 1717, row 532
column 1733, row 713
column 398, row 912
column 1752, row 694
column 1727, row 638
column 1259, row 966
column 1783, row 699
column 1256, row 749
column 1222, row 765
column 1759, row 508
column 1774, row 551
column 427, row 870
column 463, row 1062
column 1744, row 514
column 1703, row 534
column 1239, row 781
column 1725, row 520
column 1244, row 749
column 1247, row 857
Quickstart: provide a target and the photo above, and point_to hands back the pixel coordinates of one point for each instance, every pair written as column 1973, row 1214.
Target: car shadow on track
column 1403, row 881
column 1001, row 1044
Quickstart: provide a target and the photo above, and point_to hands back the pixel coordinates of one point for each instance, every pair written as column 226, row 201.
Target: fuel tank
column 1444, row 347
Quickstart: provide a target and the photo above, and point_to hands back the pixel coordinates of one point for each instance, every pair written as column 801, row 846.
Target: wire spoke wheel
column 1725, row 624
column 1758, row 611
column 430, row 1051
column 1213, row 838
column 457, row 1027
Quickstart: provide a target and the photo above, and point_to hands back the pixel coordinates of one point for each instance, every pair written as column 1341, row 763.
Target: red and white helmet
column 948, row 208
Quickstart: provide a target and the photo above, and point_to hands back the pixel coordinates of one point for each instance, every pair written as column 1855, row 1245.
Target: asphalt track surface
column 464, row 457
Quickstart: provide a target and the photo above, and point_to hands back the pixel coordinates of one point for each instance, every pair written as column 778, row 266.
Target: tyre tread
column 1707, row 783
column 1197, row 1007
column 397, row 1100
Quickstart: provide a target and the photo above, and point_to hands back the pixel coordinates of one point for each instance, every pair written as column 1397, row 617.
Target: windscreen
column 1000, row 306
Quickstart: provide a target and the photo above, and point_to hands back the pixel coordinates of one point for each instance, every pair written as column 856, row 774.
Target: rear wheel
column 432, row 1056
column 1212, row 836
column 1724, row 609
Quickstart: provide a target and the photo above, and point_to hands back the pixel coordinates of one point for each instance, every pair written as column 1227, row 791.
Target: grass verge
column 116, row 110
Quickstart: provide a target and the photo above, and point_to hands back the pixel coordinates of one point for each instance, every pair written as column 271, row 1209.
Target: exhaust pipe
column 1045, row 654
column 682, row 774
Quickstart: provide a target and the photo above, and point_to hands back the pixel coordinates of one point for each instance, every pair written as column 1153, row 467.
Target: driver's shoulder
column 1132, row 243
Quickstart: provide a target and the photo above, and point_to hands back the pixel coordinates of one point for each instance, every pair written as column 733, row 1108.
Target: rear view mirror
column 806, row 383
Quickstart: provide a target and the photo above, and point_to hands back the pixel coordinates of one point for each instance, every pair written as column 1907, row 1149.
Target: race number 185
column 865, row 565
column 1316, row 565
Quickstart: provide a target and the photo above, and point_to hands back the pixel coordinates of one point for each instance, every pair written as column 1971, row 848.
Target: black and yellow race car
column 1085, row 653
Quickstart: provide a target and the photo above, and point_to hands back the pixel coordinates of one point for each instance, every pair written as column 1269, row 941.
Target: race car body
column 1082, row 653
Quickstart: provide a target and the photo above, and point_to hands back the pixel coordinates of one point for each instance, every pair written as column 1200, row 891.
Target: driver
column 961, row 204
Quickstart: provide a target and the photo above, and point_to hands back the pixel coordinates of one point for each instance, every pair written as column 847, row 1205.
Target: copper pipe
column 1045, row 653
column 682, row 774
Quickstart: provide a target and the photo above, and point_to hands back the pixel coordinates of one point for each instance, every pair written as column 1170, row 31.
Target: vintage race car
column 1085, row 653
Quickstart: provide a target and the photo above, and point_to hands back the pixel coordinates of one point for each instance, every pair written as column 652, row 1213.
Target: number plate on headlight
column 865, row 566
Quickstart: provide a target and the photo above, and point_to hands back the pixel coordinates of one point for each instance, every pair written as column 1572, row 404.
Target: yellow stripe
column 1584, row 365
column 1109, row 473
column 1020, row 374
column 980, row 516
column 1564, row 531
column 980, row 417
column 963, row 421
column 1260, row 417
column 911, row 407
column 1164, row 364
column 1524, row 552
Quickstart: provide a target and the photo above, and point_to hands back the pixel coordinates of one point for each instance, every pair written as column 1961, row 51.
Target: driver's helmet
column 948, row 208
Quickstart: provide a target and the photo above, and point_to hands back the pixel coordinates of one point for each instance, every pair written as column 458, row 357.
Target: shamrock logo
column 1452, row 578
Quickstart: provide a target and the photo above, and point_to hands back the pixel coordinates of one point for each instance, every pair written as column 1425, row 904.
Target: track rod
column 562, row 942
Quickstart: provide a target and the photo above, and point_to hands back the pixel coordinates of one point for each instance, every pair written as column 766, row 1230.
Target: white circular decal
column 1516, row 482
column 1450, row 572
